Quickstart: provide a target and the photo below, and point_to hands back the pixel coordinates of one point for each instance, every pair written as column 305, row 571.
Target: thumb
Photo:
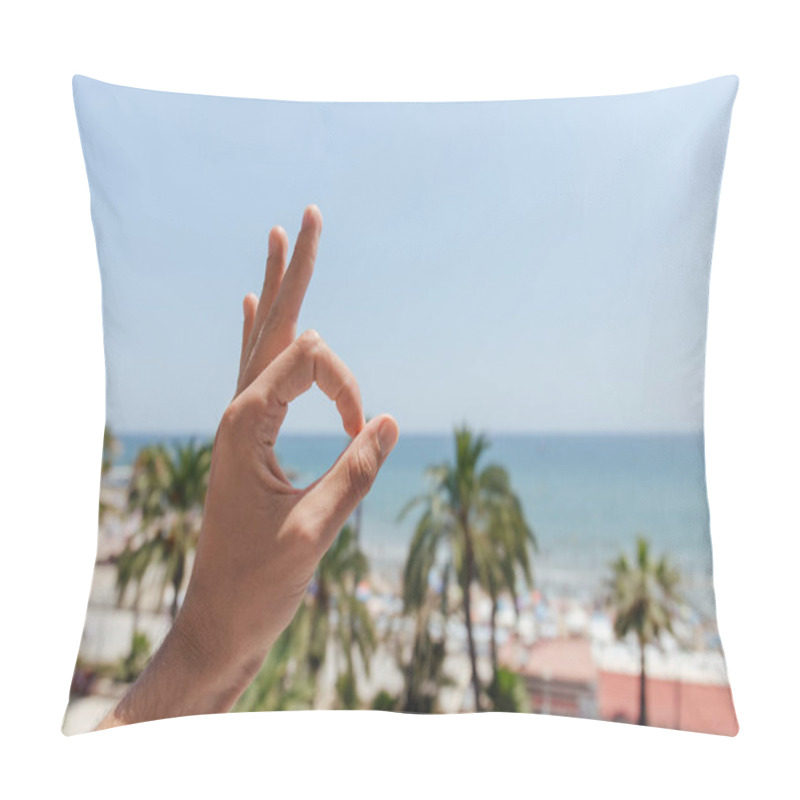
column 334, row 497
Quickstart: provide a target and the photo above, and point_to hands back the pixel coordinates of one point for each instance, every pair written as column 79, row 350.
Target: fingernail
column 387, row 437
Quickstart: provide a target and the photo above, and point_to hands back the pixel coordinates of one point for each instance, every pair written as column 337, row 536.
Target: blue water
column 586, row 497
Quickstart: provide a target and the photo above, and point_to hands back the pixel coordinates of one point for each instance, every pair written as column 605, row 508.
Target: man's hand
column 261, row 538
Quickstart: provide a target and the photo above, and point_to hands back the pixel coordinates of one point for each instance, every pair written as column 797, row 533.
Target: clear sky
column 521, row 266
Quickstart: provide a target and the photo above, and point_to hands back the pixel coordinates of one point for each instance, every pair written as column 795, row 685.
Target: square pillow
column 523, row 285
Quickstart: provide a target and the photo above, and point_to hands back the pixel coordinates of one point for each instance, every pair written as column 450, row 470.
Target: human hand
column 261, row 538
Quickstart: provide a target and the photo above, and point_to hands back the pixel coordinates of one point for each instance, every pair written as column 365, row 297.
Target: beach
column 586, row 498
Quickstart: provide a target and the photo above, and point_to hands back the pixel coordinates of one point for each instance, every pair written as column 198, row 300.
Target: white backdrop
column 52, row 385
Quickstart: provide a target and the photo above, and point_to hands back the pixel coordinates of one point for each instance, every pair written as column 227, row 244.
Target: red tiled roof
column 560, row 660
column 705, row 708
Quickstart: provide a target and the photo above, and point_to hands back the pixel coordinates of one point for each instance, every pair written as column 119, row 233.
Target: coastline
column 586, row 499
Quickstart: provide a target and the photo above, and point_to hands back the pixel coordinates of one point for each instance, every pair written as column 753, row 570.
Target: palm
column 338, row 574
column 504, row 551
column 168, row 490
column 645, row 598
column 424, row 671
column 289, row 676
column 261, row 539
column 110, row 449
column 474, row 518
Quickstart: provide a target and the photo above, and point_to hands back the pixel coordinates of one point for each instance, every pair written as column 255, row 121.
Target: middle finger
column 277, row 330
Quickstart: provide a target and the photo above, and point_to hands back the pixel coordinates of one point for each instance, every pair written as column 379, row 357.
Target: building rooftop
column 561, row 659
column 705, row 708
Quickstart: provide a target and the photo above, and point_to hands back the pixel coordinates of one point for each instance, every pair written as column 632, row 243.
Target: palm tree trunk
column 357, row 525
column 468, row 570
column 177, row 580
column 642, row 685
column 137, row 600
column 493, row 622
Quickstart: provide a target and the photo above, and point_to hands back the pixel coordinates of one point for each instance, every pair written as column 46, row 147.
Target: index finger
column 306, row 361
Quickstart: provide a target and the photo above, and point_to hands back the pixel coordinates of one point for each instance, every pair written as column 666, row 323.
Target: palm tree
column 110, row 449
column 474, row 517
column 132, row 665
column 423, row 672
column 334, row 589
column 282, row 684
column 331, row 619
column 645, row 598
column 132, row 565
column 503, row 553
column 167, row 489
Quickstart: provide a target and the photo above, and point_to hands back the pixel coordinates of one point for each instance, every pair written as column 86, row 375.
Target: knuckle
column 230, row 417
column 361, row 470
column 251, row 418
column 267, row 419
column 348, row 388
column 305, row 536
column 309, row 342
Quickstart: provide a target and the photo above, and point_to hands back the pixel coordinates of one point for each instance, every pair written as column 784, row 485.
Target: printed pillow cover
column 494, row 497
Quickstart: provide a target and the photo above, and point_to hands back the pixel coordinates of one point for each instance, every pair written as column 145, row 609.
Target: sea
column 587, row 498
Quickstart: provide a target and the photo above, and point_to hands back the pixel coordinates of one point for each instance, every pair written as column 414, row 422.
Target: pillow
column 524, row 286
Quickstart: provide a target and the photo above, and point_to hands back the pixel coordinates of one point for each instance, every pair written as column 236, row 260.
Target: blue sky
column 521, row 266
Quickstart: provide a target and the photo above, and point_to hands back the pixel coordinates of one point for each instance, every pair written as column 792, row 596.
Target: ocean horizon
column 586, row 495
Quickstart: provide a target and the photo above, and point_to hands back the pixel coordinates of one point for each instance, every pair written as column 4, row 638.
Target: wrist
column 213, row 657
column 190, row 674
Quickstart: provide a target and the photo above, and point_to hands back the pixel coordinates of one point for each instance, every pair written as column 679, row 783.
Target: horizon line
column 439, row 432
